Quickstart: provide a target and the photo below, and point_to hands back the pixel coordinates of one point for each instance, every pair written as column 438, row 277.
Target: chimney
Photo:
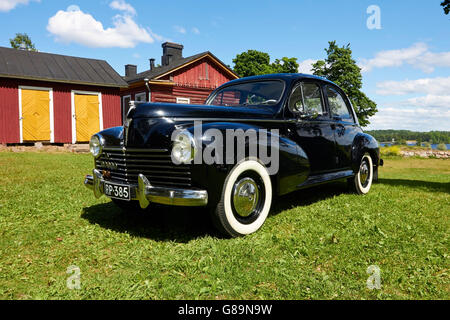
column 152, row 63
column 130, row 70
column 171, row 52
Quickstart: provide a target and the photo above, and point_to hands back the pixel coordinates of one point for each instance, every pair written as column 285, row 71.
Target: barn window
column 140, row 97
column 183, row 100
column 206, row 71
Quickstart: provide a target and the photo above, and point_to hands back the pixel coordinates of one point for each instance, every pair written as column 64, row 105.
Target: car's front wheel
column 245, row 201
column 362, row 182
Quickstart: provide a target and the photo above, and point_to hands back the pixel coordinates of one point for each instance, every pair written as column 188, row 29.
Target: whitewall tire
column 364, row 177
column 246, row 199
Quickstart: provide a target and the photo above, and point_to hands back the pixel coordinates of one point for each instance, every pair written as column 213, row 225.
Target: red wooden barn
column 177, row 79
column 55, row 98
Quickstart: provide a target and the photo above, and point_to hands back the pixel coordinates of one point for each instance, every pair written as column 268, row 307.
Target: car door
column 344, row 123
column 312, row 126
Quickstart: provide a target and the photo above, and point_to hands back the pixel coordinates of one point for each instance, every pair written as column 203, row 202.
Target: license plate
column 117, row 191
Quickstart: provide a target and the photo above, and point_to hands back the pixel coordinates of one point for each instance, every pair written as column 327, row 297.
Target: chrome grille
column 156, row 164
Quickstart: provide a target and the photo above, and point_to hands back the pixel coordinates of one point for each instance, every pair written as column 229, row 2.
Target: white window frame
column 141, row 94
column 74, row 120
column 183, row 100
column 123, row 106
column 51, row 111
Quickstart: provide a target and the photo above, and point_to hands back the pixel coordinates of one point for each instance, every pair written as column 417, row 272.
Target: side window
column 306, row 99
column 337, row 105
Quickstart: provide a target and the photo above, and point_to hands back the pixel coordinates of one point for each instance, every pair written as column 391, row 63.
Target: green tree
column 285, row 65
column 446, row 5
column 22, row 40
column 341, row 68
column 253, row 63
column 442, row 147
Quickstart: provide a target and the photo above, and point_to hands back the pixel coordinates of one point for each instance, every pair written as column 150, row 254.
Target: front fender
column 113, row 136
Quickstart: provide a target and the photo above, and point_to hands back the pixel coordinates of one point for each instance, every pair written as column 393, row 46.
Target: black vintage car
column 217, row 155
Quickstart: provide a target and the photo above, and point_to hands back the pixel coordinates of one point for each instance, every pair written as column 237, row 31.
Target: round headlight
column 183, row 150
column 96, row 146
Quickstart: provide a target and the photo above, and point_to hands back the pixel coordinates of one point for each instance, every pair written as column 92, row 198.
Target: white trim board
column 51, row 110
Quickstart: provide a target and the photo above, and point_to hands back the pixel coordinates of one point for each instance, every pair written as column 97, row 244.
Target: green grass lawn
column 316, row 244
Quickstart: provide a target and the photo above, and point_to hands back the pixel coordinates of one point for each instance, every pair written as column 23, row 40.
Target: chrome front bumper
column 145, row 193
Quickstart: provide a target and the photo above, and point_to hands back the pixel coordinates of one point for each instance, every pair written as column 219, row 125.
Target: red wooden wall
column 9, row 112
column 202, row 74
column 192, row 81
column 9, row 108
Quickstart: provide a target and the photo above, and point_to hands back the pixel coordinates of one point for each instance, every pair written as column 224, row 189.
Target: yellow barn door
column 87, row 116
column 35, row 115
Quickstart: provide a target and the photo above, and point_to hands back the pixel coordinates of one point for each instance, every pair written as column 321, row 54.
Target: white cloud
column 180, row 29
column 435, row 86
column 8, row 5
column 418, row 55
column 195, row 30
column 424, row 113
column 306, row 66
column 121, row 5
column 76, row 26
column 416, row 119
column 430, row 102
column 430, row 111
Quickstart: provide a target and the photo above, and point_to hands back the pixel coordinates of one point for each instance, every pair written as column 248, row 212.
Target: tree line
column 401, row 136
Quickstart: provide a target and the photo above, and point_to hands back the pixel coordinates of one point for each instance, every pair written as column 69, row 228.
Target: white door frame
column 74, row 120
column 51, row 112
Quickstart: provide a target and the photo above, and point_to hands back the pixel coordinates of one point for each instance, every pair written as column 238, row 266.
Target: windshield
column 266, row 93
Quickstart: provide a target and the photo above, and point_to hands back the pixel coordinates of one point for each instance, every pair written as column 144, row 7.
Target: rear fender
column 365, row 143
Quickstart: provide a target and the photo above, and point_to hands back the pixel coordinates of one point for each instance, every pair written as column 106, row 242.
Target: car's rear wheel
column 246, row 199
column 362, row 182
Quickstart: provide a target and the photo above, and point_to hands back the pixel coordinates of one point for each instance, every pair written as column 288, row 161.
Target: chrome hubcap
column 364, row 172
column 246, row 196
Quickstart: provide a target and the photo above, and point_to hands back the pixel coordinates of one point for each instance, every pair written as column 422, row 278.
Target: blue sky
column 406, row 63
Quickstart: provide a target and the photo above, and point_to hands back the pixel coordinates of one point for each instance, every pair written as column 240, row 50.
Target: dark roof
column 158, row 71
column 25, row 64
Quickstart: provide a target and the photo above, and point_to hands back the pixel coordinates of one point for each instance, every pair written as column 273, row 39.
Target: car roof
column 288, row 77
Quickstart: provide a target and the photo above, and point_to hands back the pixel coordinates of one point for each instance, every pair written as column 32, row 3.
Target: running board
column 326, row 177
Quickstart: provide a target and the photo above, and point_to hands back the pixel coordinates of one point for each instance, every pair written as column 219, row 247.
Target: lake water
column 433, row 146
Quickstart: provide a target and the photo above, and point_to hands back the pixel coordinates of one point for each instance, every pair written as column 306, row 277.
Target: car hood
column 171, row 110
